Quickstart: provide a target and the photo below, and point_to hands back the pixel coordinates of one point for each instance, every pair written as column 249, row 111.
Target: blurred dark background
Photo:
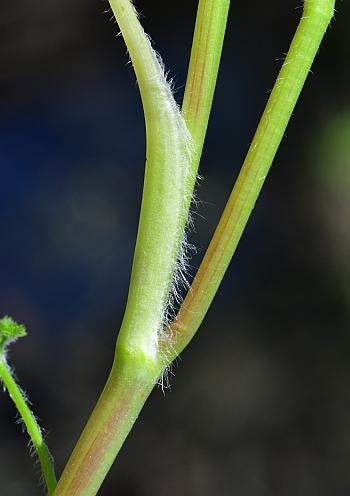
column 260, row 401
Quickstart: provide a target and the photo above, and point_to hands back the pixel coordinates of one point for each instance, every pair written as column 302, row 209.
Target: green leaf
column 10, row 330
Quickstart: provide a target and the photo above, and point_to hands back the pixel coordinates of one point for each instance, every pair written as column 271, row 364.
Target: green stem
column 202, row 75
column 203, row 71
column 118, row 407
column 169, row 180
column 306, row 42
column 138, row 364
column 166, row 199
column 160, row 230
column 31, row 426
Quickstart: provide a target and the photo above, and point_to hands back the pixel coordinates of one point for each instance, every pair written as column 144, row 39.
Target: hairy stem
column 169, row 180
column 32, row 427
column 138, row 364
column 315, row 19
column 160, row 228
column 168, row 187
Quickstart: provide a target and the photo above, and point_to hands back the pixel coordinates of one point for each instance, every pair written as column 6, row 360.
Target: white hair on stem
column 162, row 253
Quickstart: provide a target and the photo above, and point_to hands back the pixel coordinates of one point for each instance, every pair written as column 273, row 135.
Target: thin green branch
column 207, row 44
column 10, row 331
column 316, row 17
column 203, row 70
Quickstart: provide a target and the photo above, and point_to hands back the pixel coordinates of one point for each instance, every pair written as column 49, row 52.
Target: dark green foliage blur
column 260, row 402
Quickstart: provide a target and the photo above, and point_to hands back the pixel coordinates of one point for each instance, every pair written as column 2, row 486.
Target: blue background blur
column 260, row 402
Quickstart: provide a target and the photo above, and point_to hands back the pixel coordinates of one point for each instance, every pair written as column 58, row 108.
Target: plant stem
column 160, row 228
column 203, row 71
column 201, row 80
column 122, row 399
column 31, row 425
column 167, row 195
column 138, row 363
column 316, row 17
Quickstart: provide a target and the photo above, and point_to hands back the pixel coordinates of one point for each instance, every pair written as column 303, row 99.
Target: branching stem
column 169, row 181
column 167, row 195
